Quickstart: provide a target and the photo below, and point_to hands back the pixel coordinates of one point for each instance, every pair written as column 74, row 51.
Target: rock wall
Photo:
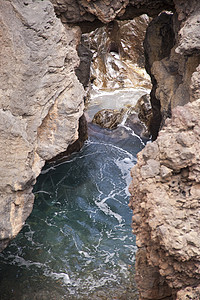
column 166, row 206
column 172, row 54
column 41, row 101
column 118, row 55
column 74, row 11
column 165, row 187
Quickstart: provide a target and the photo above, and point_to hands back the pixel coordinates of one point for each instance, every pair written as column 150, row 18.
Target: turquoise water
column 78, row 241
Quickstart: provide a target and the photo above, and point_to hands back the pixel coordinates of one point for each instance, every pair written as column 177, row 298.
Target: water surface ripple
column 78, row 242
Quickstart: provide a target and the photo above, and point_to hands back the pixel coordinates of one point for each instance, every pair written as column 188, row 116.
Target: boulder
column 108, row 118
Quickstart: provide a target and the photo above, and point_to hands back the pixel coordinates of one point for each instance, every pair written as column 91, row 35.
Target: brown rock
column 172, row 60
column 151, row 285
column 73, row 11
column 165, row 199
column 144, row 110
column 108, row 118
column 118, row 55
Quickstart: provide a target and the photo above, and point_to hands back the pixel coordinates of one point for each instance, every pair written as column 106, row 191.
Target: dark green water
column 78, row 241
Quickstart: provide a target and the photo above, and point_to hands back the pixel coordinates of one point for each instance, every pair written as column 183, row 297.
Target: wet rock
column 165, row 201
column 142, row 115
column 118, row 55
column 133, row 122
column 136, row 118
column 108, row 118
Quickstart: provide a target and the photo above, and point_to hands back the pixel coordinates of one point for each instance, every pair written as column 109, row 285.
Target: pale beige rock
column 41, row 101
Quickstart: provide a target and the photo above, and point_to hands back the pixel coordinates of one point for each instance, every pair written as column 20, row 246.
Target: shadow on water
column 78, row 243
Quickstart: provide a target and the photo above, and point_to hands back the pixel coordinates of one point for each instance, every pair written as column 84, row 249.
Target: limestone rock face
column 41, row 101
column 166, row 204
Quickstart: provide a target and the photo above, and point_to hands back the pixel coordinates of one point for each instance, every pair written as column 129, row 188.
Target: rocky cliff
column 166, row 206
column 41, row 98
column 172, row 59
column 41, row 102
column 165, row 187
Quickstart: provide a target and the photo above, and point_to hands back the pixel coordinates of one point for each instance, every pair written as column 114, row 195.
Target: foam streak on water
column 78, row 240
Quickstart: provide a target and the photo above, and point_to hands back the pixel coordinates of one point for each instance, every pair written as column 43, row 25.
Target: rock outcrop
column 41, row 102
column 73, row 11
column 135, row 117
column 109, row 118
column 165, row 187
column 172, row 60
column 166, row 206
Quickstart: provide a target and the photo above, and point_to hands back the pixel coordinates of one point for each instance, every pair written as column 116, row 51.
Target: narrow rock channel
column 78, row 241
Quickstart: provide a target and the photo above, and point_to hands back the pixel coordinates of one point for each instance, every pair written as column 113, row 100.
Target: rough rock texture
column 74, row 11
column 108, row 118
column 144, row 110
column 166, row 206
column 75, row 146
column 165, row 185
column 118, row 55
column 172, row 51
column 41, row 101
column 135, row 117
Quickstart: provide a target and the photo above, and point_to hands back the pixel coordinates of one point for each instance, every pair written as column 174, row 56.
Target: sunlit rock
column 118, row 55
column 41, row 102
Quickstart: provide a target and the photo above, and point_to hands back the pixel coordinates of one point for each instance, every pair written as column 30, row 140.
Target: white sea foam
column 131, row 131
column 63, row 276
column 103, row 206
column 125, row 166
column 20, row 261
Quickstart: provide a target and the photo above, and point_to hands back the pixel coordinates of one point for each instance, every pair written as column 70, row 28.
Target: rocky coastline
column 42, row 101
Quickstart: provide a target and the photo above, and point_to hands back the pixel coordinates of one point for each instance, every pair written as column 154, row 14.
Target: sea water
column 78, row 241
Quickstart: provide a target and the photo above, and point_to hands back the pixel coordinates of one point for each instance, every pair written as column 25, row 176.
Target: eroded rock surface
column 118, row 55
column 166, row 204
column 108, row 118
column 41, row 102
column 73, row 11
column 172, row 59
